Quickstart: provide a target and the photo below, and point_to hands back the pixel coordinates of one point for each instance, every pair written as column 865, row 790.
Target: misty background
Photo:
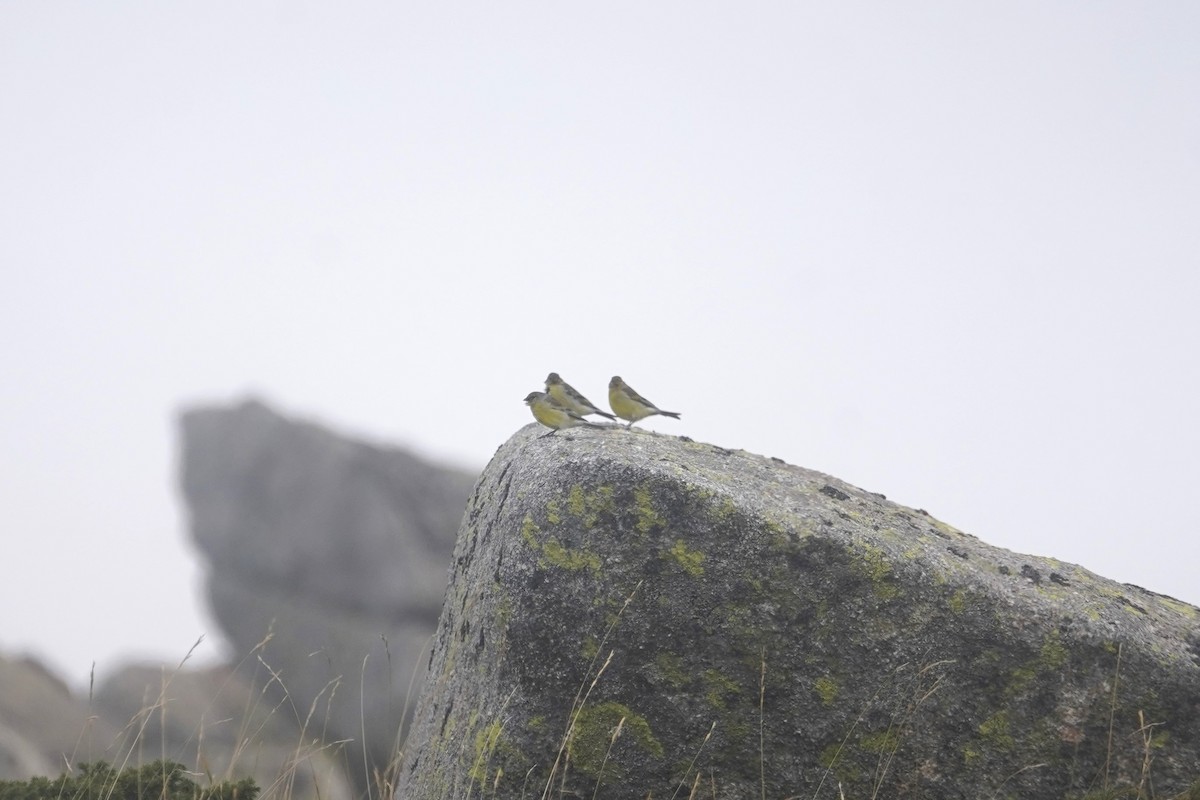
column 946, row 252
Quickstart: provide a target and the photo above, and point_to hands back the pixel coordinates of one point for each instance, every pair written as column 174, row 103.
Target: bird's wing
column 637, row 398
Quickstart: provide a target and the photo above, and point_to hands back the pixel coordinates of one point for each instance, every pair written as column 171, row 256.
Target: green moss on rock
column 589, row 507
column 958, row 602
column 554, row 553
column 880, row 741
column 690, row 560
column 827, row 688
column 718, row 688
column 876, row 567
column 486, row 739
column 594, row 729
column 995, row 730
column 671, row 668
column 647, row 517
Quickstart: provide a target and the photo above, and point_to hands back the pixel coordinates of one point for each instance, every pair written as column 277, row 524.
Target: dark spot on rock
column 1059, row 579
column 1125, row 601
column 1031, row 573
column 479, row 641
column 722, row 451
column 1004, row 570
column 778, row 460
column 741, row 591
column 798, row 561
column 686, row 439
column 958, row 551
column 463, row 630
column 880, row 495
column 1152, row 594
column 1193, row 643
column 834, row 492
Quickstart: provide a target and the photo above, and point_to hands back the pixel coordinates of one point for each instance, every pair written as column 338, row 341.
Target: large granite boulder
column 635, row 615
column 327, row 561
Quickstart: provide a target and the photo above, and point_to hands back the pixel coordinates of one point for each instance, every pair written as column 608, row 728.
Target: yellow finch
column 551, row 414
column 565, row 395
column 630, row 405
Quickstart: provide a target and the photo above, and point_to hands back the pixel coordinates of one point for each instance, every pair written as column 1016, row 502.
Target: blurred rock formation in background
column 327, row 564
column 327, row 559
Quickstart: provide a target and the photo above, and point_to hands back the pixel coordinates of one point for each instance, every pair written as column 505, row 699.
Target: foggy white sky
column 948, row 252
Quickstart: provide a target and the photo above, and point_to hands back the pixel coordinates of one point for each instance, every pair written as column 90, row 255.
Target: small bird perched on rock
column 565, row 395
column 551, row 414
column 628, row 404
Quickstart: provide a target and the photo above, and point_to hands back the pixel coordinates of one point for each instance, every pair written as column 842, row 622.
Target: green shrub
column 160, row 780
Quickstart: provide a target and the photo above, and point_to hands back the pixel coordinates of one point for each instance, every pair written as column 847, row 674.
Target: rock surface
column 635, row 615
column 327, row 559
